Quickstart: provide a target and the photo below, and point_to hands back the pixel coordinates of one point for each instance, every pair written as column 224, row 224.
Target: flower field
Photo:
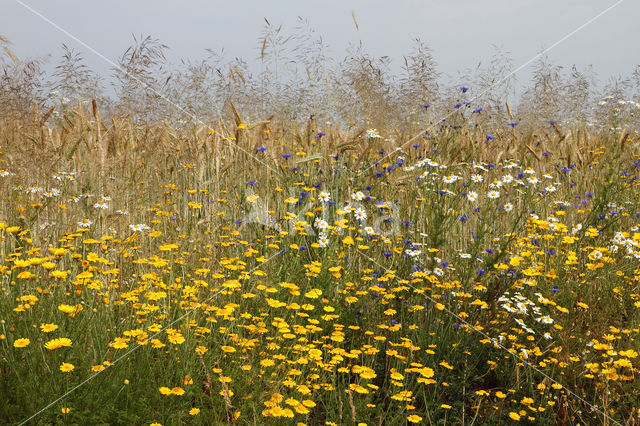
column 338, row 246
column 241, row 274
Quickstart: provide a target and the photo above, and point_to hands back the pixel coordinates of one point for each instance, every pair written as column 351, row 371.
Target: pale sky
column 460, row 32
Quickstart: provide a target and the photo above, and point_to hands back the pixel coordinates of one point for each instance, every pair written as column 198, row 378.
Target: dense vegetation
column 321, row 243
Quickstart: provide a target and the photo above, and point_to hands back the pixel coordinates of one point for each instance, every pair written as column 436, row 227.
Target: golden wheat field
column 224, row 248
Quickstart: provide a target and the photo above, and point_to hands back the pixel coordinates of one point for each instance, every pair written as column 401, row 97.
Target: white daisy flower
column 321, row 224
column 358, row 196
column 141, row 227
column 323, row 241
column 325, row 197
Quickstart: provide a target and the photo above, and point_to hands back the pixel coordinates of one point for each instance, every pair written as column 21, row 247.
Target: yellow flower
column 194, row 411
column 97, row 368
column 315, row 353
column 313, row 293
column 165, row 390
column 445, row 406
column 446, row 365
column 347, row 241
column 57, row 343
column 65, row 367
column 514, row 416
column 154, row 328
column 267, row 362
column 61, row 275
column 228, row 349
column 177, row 391
column 48, row 328
column 426, row 372
column 21, row 343
column 414, row 418
column 395, row 375
column 526, row 401
column 168, row 247
column 119, row 343
column 176, row 338
column 157, row 344
column 70, row 310
column 25, row 275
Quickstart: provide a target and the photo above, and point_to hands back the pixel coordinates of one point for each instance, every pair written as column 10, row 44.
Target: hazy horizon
column 461, row 34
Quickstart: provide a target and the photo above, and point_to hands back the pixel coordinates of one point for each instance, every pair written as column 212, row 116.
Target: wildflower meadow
column 340, row 247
